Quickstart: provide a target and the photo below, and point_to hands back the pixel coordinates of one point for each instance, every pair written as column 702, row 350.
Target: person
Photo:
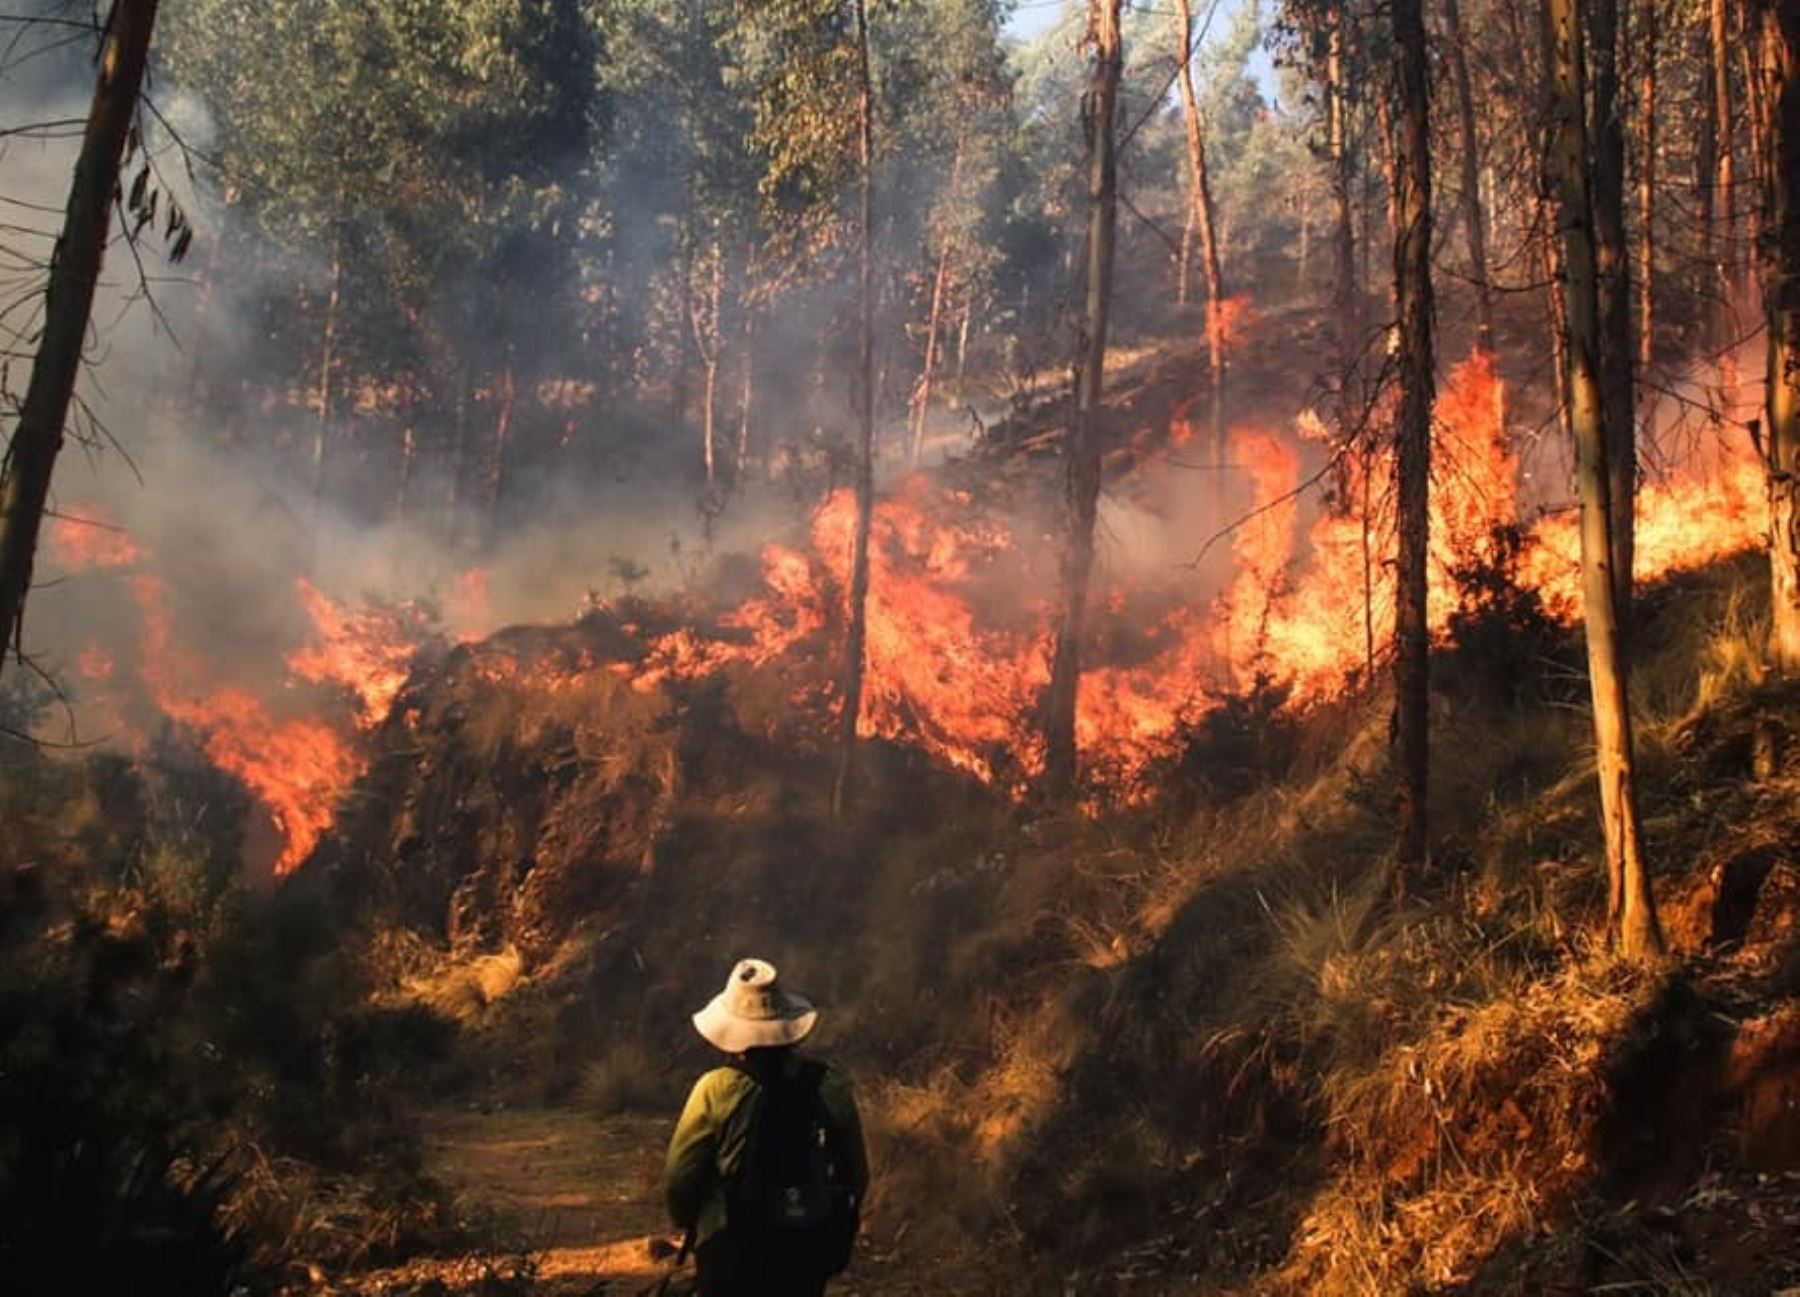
column 767, row 1170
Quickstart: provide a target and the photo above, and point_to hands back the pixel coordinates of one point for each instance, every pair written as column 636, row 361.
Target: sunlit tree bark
column 1631, row 912
column 1083, row 458
column 68, row 302
column 1778, row 41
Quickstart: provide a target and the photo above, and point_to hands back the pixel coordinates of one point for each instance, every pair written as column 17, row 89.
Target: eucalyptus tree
column 1086, row 433
column 1631, row 910
column 74, row 272
column 333, row 124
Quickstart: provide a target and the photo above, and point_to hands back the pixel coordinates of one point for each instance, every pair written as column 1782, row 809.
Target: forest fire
column 959, row 619
column 296, row 766
column 365, row 651
column 957, row 668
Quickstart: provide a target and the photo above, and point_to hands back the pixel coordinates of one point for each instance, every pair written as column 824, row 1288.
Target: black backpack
column 790, row 1196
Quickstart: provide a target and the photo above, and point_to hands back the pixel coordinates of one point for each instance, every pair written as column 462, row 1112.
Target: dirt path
column 573, row 1202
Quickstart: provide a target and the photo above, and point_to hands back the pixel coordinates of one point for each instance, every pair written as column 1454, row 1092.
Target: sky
column 1031, row 18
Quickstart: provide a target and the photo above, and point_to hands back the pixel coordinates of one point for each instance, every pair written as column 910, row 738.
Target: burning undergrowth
column 1292, row 605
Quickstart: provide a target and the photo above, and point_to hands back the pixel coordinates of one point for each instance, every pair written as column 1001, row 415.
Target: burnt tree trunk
column 1646, row 339
column 68, row 303
column 1346, row 301
column 1085, row 432
column 1723, row 178
column 855, row 646
column 1614, row 293
column 1474, row 218
column 1631, row 913
column 1201, row 203
column 1779, row 59
column 1412, row 460
column 1759, row 133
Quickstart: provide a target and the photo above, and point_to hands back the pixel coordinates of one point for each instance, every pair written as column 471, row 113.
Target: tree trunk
column 1759, row 133
column 1412, row 460
column 1202, row 203
column 856, row 639
column 403, row 488
column 703, row 315
column 747, row 402
column 962, row 340
column 68, row 303
column 1183, row 259
column 1085, row 432
column 1631, row 913
column 328, row 347
column 1474, row 218
column 496, row 484
column 1646, row 348
column 1614, row 293
column 459, row 452
column 1780, row 89
column 938, row 281
column 1345, row 298
column 1724, row 198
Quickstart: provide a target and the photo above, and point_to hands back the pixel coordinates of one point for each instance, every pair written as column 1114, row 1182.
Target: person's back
column 766, row 1170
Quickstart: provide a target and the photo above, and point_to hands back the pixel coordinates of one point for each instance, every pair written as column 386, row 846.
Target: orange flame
column 296, row 768
column 77, row 543
column 366, row 651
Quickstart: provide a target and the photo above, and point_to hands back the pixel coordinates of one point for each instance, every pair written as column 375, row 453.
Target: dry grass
column 627, row 1077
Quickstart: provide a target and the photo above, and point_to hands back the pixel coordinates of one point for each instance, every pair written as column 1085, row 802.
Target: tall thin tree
column 68, row 304
column 1412, row 292
column 1085, row 433
column 1647, row 139
column 1631, row 911
column 1778, row 61
column 1201, row 219
column 1613, row 287
column 856, row 642
column 1474, row 218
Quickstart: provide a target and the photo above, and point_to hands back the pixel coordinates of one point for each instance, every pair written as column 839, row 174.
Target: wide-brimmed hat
column 753, row 1012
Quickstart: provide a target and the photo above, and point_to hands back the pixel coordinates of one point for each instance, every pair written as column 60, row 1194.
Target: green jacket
column 714, row 1128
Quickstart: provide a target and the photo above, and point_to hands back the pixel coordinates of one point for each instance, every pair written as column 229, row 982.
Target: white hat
column 753, row 1012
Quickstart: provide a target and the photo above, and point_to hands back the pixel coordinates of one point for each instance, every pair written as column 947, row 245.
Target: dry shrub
column 1473, row 1134
column 626, row 1076
column 463, row 990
